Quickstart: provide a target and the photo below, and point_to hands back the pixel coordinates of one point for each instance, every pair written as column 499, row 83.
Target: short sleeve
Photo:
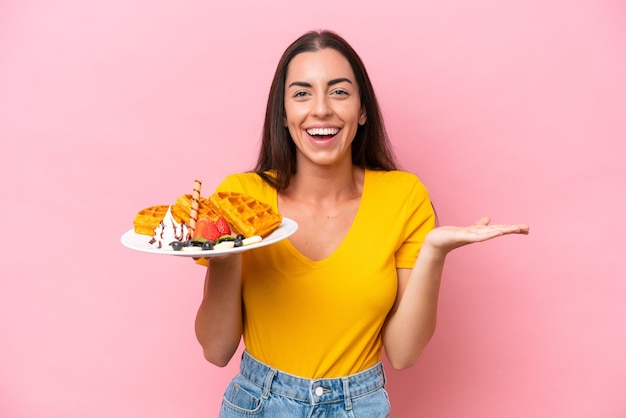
column 419, row 220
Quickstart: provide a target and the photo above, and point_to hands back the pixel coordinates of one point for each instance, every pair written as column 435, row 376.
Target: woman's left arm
column 412, row 320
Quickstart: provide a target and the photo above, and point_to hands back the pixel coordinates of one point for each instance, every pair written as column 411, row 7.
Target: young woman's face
column 322, row 107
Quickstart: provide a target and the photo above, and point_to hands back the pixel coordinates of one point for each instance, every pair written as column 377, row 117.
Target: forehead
column 324, row 64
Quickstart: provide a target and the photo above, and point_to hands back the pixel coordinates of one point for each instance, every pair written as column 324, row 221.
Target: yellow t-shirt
column 322, row 319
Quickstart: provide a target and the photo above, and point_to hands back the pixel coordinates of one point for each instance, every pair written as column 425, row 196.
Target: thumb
column 483, row 221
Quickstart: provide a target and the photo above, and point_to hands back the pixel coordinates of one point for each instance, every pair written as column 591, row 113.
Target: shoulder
column 396, row 182
column 240, row 182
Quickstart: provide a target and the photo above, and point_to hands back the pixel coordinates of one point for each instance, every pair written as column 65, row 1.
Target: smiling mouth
column 322, row 133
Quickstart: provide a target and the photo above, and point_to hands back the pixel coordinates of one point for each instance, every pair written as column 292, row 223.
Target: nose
column 321, row 107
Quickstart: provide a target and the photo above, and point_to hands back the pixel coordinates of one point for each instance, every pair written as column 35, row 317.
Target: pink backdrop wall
column 512, row 108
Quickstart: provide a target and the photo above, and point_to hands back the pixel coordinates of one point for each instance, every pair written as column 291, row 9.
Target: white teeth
column 322, row 131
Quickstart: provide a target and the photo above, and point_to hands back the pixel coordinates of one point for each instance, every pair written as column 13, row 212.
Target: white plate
column 139, row 242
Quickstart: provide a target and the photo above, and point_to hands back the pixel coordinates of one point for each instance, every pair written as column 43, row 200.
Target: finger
column 512, row 229
column 522, row 229
column 490, row 232
column 483, row 221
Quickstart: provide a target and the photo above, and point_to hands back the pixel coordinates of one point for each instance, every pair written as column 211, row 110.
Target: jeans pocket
column 372, row 405
column 243, row 397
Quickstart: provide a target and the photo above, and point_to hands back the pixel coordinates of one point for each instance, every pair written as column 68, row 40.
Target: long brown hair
column 370, row 149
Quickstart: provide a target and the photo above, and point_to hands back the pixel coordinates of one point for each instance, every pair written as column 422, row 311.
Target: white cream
column 169, row 230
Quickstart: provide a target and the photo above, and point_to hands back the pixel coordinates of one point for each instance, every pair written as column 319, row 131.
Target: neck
column 326, row 184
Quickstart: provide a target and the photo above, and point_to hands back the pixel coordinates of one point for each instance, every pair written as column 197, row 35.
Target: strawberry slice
column 205, row 228
column 222, row 226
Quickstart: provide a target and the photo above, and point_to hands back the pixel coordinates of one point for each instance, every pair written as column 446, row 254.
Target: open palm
column 447, row 238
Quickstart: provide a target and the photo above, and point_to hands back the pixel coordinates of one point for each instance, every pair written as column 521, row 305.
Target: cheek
column 294, row 131
column 293, row 117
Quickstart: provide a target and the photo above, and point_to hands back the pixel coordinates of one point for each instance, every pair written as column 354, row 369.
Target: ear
column 285, row 120
column 362, row 117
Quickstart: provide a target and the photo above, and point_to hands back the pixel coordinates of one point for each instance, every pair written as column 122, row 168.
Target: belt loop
column 267, row 384
column 347, row 398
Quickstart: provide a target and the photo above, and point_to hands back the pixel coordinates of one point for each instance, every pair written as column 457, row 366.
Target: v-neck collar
column 346, row 239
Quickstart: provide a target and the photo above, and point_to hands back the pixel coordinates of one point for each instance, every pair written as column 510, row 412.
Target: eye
column 300, row 94
column 340, row 92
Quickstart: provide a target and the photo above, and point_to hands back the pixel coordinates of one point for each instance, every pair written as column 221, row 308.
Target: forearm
column 219, row 320
column 412, row 323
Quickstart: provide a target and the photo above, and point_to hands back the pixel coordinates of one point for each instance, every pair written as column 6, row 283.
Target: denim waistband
column 315, row 391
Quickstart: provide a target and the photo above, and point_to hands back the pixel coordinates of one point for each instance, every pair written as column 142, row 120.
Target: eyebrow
column 330, row 83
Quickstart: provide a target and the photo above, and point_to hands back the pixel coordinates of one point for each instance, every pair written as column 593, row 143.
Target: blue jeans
column 262, row 391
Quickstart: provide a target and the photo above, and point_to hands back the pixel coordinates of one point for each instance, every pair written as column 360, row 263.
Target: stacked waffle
column 245, row 214
column 148, row 219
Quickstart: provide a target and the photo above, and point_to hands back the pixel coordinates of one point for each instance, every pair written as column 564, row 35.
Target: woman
column 316, row 310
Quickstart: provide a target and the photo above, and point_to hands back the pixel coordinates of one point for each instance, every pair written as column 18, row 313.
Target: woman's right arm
column 219, row 321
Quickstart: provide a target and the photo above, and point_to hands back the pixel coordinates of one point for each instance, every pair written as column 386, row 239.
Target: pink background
column 514, row 109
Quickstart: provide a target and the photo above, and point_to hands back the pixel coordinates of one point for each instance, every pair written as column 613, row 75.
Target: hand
column 447, row 238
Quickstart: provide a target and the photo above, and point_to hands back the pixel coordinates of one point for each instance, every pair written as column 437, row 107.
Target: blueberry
column 207, row 245
column 238, row 242
column 240, row 236
column 176, row 245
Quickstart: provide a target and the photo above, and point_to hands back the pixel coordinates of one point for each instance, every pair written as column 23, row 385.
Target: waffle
column 149, row 218
column 244, row 214
column 182, row 208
